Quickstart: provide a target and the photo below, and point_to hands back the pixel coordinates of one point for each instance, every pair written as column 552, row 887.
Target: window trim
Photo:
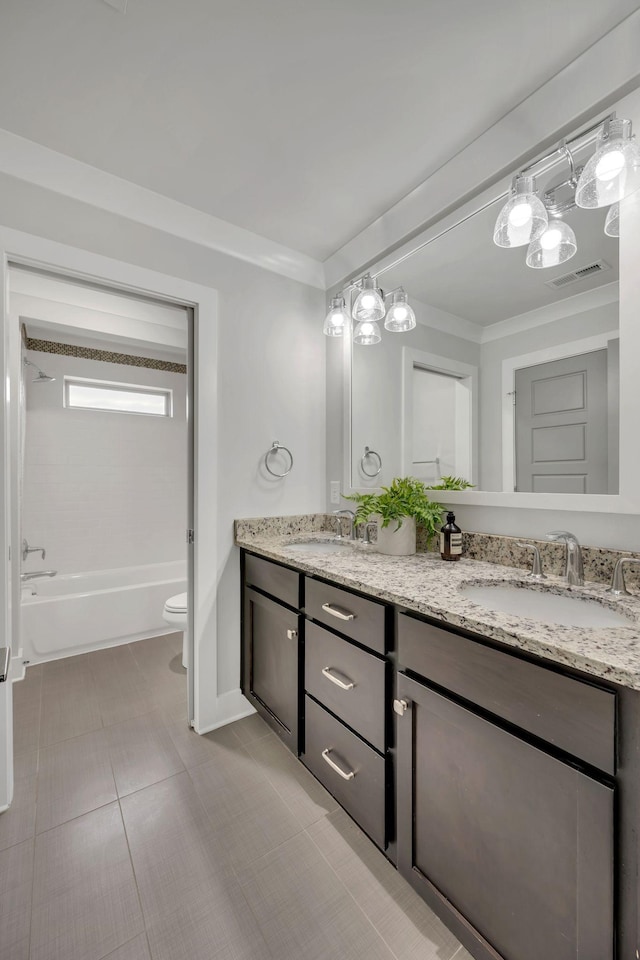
column 118, row 386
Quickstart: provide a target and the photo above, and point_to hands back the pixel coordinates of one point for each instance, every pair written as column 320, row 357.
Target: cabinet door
column 513, row 848
column 271, row 672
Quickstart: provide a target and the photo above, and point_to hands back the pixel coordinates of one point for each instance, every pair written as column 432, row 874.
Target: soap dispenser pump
column 451, row 539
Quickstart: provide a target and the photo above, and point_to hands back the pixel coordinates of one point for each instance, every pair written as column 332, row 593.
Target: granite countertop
column 426, row 584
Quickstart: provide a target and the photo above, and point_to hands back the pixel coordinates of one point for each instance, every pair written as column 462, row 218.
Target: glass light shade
column 367, row 333
column 613, row 172
column 556, row 245
column 612, row 223
column 369, row 305
column 523, row 217
column 337, row 320
column 400, row 317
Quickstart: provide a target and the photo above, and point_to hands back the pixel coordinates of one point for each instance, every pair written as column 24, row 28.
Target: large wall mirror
column 515, row 377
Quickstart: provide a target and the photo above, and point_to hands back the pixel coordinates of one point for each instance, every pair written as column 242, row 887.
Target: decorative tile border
column 106, row 356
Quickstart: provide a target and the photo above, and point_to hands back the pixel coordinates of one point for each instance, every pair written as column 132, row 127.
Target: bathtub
column 78, row 612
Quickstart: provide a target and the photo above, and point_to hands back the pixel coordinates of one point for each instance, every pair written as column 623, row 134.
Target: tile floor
column 132, row 838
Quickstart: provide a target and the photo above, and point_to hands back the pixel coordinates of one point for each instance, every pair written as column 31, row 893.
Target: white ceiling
column 300, row 121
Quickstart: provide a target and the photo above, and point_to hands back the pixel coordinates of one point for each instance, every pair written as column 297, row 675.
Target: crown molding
column 34, row 163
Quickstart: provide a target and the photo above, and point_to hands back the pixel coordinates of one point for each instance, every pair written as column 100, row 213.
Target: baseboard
column 230, row 706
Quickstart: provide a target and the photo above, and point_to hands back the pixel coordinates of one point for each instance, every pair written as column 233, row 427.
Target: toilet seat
column 177, row 604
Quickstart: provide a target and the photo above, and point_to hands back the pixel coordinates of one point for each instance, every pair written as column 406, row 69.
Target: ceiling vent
column 591, row 268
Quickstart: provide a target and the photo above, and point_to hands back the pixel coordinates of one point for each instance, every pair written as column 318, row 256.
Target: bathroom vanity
column 495, row 760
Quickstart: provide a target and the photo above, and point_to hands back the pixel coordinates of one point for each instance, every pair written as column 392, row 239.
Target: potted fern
column 397, row 509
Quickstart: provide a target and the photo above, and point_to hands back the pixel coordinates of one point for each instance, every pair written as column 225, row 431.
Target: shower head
column 42, row 376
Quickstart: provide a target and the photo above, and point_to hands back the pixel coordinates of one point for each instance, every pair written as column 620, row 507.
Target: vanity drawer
column 359, row 782
column 277, row 581
column 347, row 680
column 357, row 617
column 573, row 715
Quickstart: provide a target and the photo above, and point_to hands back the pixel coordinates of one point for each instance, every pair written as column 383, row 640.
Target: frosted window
column 117, row 397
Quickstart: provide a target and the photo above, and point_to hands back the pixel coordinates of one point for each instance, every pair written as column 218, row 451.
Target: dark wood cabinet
column 271, row 664
column 514, row 847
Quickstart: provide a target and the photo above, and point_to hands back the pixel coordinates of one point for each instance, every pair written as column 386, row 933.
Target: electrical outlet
column 334, row 487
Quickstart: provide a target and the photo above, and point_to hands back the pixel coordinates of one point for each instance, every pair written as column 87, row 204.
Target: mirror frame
column 627, row 501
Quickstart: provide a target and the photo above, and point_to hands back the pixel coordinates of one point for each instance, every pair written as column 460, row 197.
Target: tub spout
column 37, row 574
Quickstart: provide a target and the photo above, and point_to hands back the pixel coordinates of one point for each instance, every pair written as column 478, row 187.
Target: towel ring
column 370, row 453
column 275, row 446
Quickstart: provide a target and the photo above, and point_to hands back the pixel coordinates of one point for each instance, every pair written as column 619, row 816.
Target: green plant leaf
column 405, row 497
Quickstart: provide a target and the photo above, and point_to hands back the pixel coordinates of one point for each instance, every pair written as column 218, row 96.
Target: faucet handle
column 618, row 587
column 536, row 569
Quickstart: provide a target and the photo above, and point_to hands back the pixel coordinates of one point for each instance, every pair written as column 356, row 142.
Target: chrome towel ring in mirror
column 365, row 456
column 274, row 448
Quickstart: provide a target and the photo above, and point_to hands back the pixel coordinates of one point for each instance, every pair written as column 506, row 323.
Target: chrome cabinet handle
column 337, row 612
column 346, row 775
column 326, row 672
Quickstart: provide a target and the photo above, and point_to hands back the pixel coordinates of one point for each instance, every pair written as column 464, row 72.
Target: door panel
column 515, row 844
column 562, row 423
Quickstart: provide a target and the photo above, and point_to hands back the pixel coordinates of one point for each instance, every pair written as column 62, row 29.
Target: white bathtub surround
column 77, row 613
column 103, row 490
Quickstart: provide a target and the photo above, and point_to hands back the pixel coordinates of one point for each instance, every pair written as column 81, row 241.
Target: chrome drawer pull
column 326, row 672
column 337, row 612
column 334, row 766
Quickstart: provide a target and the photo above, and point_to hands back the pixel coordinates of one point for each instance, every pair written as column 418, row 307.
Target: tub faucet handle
column 26, row 550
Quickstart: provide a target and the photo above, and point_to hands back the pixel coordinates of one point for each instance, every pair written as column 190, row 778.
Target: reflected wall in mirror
column 511, row 377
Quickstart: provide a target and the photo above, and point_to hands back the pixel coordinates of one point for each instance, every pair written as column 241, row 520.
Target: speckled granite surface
column 492, row 548
column 426, row 584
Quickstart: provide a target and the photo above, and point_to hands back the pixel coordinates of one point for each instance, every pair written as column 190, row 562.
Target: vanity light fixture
column 369, row 305
column 366, row 333
column 523, row 217
column 556, row 245
column 400, row 316
column 337, row 320
column 613, row 172
column 612, row 223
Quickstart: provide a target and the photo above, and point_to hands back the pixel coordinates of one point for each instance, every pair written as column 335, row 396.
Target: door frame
column 509, row 366
column 27, row 249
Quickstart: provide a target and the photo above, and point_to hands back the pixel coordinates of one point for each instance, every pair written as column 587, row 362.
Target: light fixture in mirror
column 556, row 245
column 400, row 316
column 523, row 217
column 613, row 172
column 369, row 305
column 337, row 319
column 367, row 333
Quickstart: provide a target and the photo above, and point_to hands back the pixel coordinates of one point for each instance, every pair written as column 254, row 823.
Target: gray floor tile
column 121, row 689
column 25, row 764
column 16, row 877
column 195, row 749
column 74, row 777
column 142, row 753
column 405, row 922
column 85, row 901
column 215, row 925
column 248, row 815
column 250, row 728
column 27, row 696
column 136, row 949
column 303, row 794
column 69, row 702
column 18, row 823
column 462, row 954
column 303, row 910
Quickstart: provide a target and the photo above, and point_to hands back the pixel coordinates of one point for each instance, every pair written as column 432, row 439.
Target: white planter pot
column 397, row 542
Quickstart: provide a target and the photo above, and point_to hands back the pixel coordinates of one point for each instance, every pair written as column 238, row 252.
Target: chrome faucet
column 366, row 539
column 574, row 571
column 26, row 550
column 618, row 588
column 339, row 515
column 37, row 574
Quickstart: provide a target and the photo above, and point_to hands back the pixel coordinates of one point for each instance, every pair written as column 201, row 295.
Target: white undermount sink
column 310, row 546
column 568, row 610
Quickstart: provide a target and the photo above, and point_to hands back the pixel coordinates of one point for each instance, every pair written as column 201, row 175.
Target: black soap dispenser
column 450, row 539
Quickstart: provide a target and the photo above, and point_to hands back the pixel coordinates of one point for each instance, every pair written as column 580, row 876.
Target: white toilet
column 175, row 613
